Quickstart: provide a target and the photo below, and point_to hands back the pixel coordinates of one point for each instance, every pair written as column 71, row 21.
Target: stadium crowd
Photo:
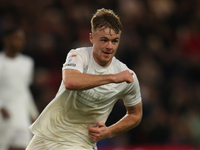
column 160, row 42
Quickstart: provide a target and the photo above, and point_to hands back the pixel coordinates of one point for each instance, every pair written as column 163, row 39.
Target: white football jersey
column 15, row 78
column 67, row 116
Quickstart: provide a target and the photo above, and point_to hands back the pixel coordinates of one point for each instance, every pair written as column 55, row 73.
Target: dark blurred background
column 160, row 42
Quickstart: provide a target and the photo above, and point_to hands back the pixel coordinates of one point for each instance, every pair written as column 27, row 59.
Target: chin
column 105, row 63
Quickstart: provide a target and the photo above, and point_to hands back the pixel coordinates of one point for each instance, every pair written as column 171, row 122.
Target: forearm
column 128, row 122
column 81, row 81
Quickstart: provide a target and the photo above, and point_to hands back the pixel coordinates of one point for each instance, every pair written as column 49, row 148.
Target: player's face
column 17, row 41
column 105, row 43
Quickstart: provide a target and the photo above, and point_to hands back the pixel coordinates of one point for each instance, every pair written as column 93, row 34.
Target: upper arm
column 67, row 73
column 31, row 75
column 135, row 110
column 1, row 68
column 73, row 69
column 76, row 60
column 132, row 95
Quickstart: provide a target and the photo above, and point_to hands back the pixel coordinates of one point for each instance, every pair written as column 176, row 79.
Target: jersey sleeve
column 132, row 94
column 1, row 70
column 74, row 60
column 31, row 76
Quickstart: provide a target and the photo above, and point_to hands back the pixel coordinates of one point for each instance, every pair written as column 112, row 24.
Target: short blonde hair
column 106, row 18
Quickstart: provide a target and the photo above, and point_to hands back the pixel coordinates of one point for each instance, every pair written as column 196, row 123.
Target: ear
column 91, row 38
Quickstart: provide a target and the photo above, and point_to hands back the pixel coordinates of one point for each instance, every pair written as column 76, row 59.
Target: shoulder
column 26, row 58
column 1, row 54
column 120, row 66
column 82, row 51
column 1, row 59
column 79, row 57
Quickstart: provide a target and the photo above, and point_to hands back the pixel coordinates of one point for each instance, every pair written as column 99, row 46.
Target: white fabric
column 14, row 137
column 67, row 116
column 38, row 143
column 15, row 78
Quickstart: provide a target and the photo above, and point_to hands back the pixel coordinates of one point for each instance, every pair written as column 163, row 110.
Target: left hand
column 98, row 132
column 5, row 113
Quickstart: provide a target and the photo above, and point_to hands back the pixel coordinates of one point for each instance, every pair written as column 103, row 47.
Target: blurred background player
column 17, row 108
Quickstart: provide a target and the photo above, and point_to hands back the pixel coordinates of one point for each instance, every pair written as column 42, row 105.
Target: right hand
column 124, row 76
column 4, row 113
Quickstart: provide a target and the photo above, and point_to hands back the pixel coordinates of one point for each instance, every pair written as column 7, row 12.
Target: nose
column 109, row 45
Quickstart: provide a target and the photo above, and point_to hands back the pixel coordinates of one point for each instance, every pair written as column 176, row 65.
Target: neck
column 103, row 64
column 10, row 53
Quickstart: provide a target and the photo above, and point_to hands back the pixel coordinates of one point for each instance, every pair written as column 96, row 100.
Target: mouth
column 106, row 53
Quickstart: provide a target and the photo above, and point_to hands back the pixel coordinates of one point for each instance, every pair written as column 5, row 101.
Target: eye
column 115, row 41
column 104, row 40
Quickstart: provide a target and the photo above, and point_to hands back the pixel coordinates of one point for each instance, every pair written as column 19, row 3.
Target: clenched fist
column 124, row 76
column 98, row 131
